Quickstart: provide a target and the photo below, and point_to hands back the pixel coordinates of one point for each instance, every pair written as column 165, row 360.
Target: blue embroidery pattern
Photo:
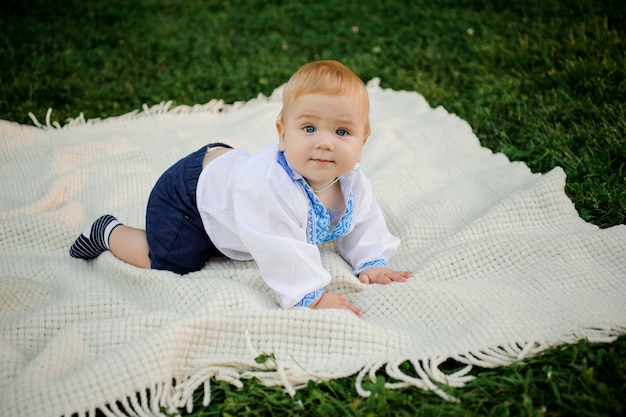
column 379, row 263
column 310, row 298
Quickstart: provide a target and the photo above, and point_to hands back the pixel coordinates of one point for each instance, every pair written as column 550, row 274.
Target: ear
column 280, row 129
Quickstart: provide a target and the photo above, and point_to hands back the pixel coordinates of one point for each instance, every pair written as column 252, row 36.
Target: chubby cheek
column 289, row 140
column 295, row 155
column 295, row 144
column 355, row 153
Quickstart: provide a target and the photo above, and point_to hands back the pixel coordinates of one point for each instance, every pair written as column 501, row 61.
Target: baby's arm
column 369, row 244
column 383, row 276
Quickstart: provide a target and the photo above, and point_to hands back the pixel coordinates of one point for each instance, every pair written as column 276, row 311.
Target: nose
column 324, row 141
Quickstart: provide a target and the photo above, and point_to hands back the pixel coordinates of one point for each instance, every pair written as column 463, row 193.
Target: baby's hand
column 383, row 276
column 330, row 300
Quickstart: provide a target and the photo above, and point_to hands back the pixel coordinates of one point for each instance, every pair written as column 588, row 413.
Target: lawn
column 541, row 81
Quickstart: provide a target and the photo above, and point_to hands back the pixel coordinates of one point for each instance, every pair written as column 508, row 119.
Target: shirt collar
column 282, row 161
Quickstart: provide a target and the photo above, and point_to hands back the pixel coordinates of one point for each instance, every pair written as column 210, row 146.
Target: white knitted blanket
column 503, row 266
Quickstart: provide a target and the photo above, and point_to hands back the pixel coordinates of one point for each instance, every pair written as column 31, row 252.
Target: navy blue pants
column 176, row 236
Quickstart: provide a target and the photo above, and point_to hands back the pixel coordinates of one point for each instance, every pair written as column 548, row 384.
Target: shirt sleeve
column 271, row 216
column 369, row 243
column 310, row 298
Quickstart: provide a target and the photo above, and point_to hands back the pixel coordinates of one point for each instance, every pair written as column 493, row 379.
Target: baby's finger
column 397, row 277
column 401, row 276
column 353, row 308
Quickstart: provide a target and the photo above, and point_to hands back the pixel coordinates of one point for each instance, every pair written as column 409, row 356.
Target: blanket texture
column 503, row 266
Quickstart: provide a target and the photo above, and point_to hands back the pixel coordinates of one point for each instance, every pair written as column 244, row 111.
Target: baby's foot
column 95, row 239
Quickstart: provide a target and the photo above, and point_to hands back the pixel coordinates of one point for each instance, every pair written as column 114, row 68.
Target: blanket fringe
column 429, row 376
column 214, row 106
column 165, row 107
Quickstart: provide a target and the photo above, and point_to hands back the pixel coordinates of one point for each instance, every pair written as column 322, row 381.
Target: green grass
column 542, row 81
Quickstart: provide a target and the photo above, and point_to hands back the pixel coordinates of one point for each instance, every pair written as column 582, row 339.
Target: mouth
column 322, row 161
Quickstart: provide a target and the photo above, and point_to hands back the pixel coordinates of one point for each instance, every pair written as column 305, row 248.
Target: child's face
column 323, row 136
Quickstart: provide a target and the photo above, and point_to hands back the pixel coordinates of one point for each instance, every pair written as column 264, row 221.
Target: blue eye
column 341, row 132
column 309, row 129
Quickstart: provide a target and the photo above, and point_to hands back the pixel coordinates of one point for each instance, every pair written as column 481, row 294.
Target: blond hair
column 329, row 78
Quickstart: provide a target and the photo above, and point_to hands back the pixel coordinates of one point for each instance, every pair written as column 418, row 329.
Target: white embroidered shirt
column 253, row 206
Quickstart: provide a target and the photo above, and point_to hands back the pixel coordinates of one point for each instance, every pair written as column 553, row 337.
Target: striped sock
column 95, row 239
